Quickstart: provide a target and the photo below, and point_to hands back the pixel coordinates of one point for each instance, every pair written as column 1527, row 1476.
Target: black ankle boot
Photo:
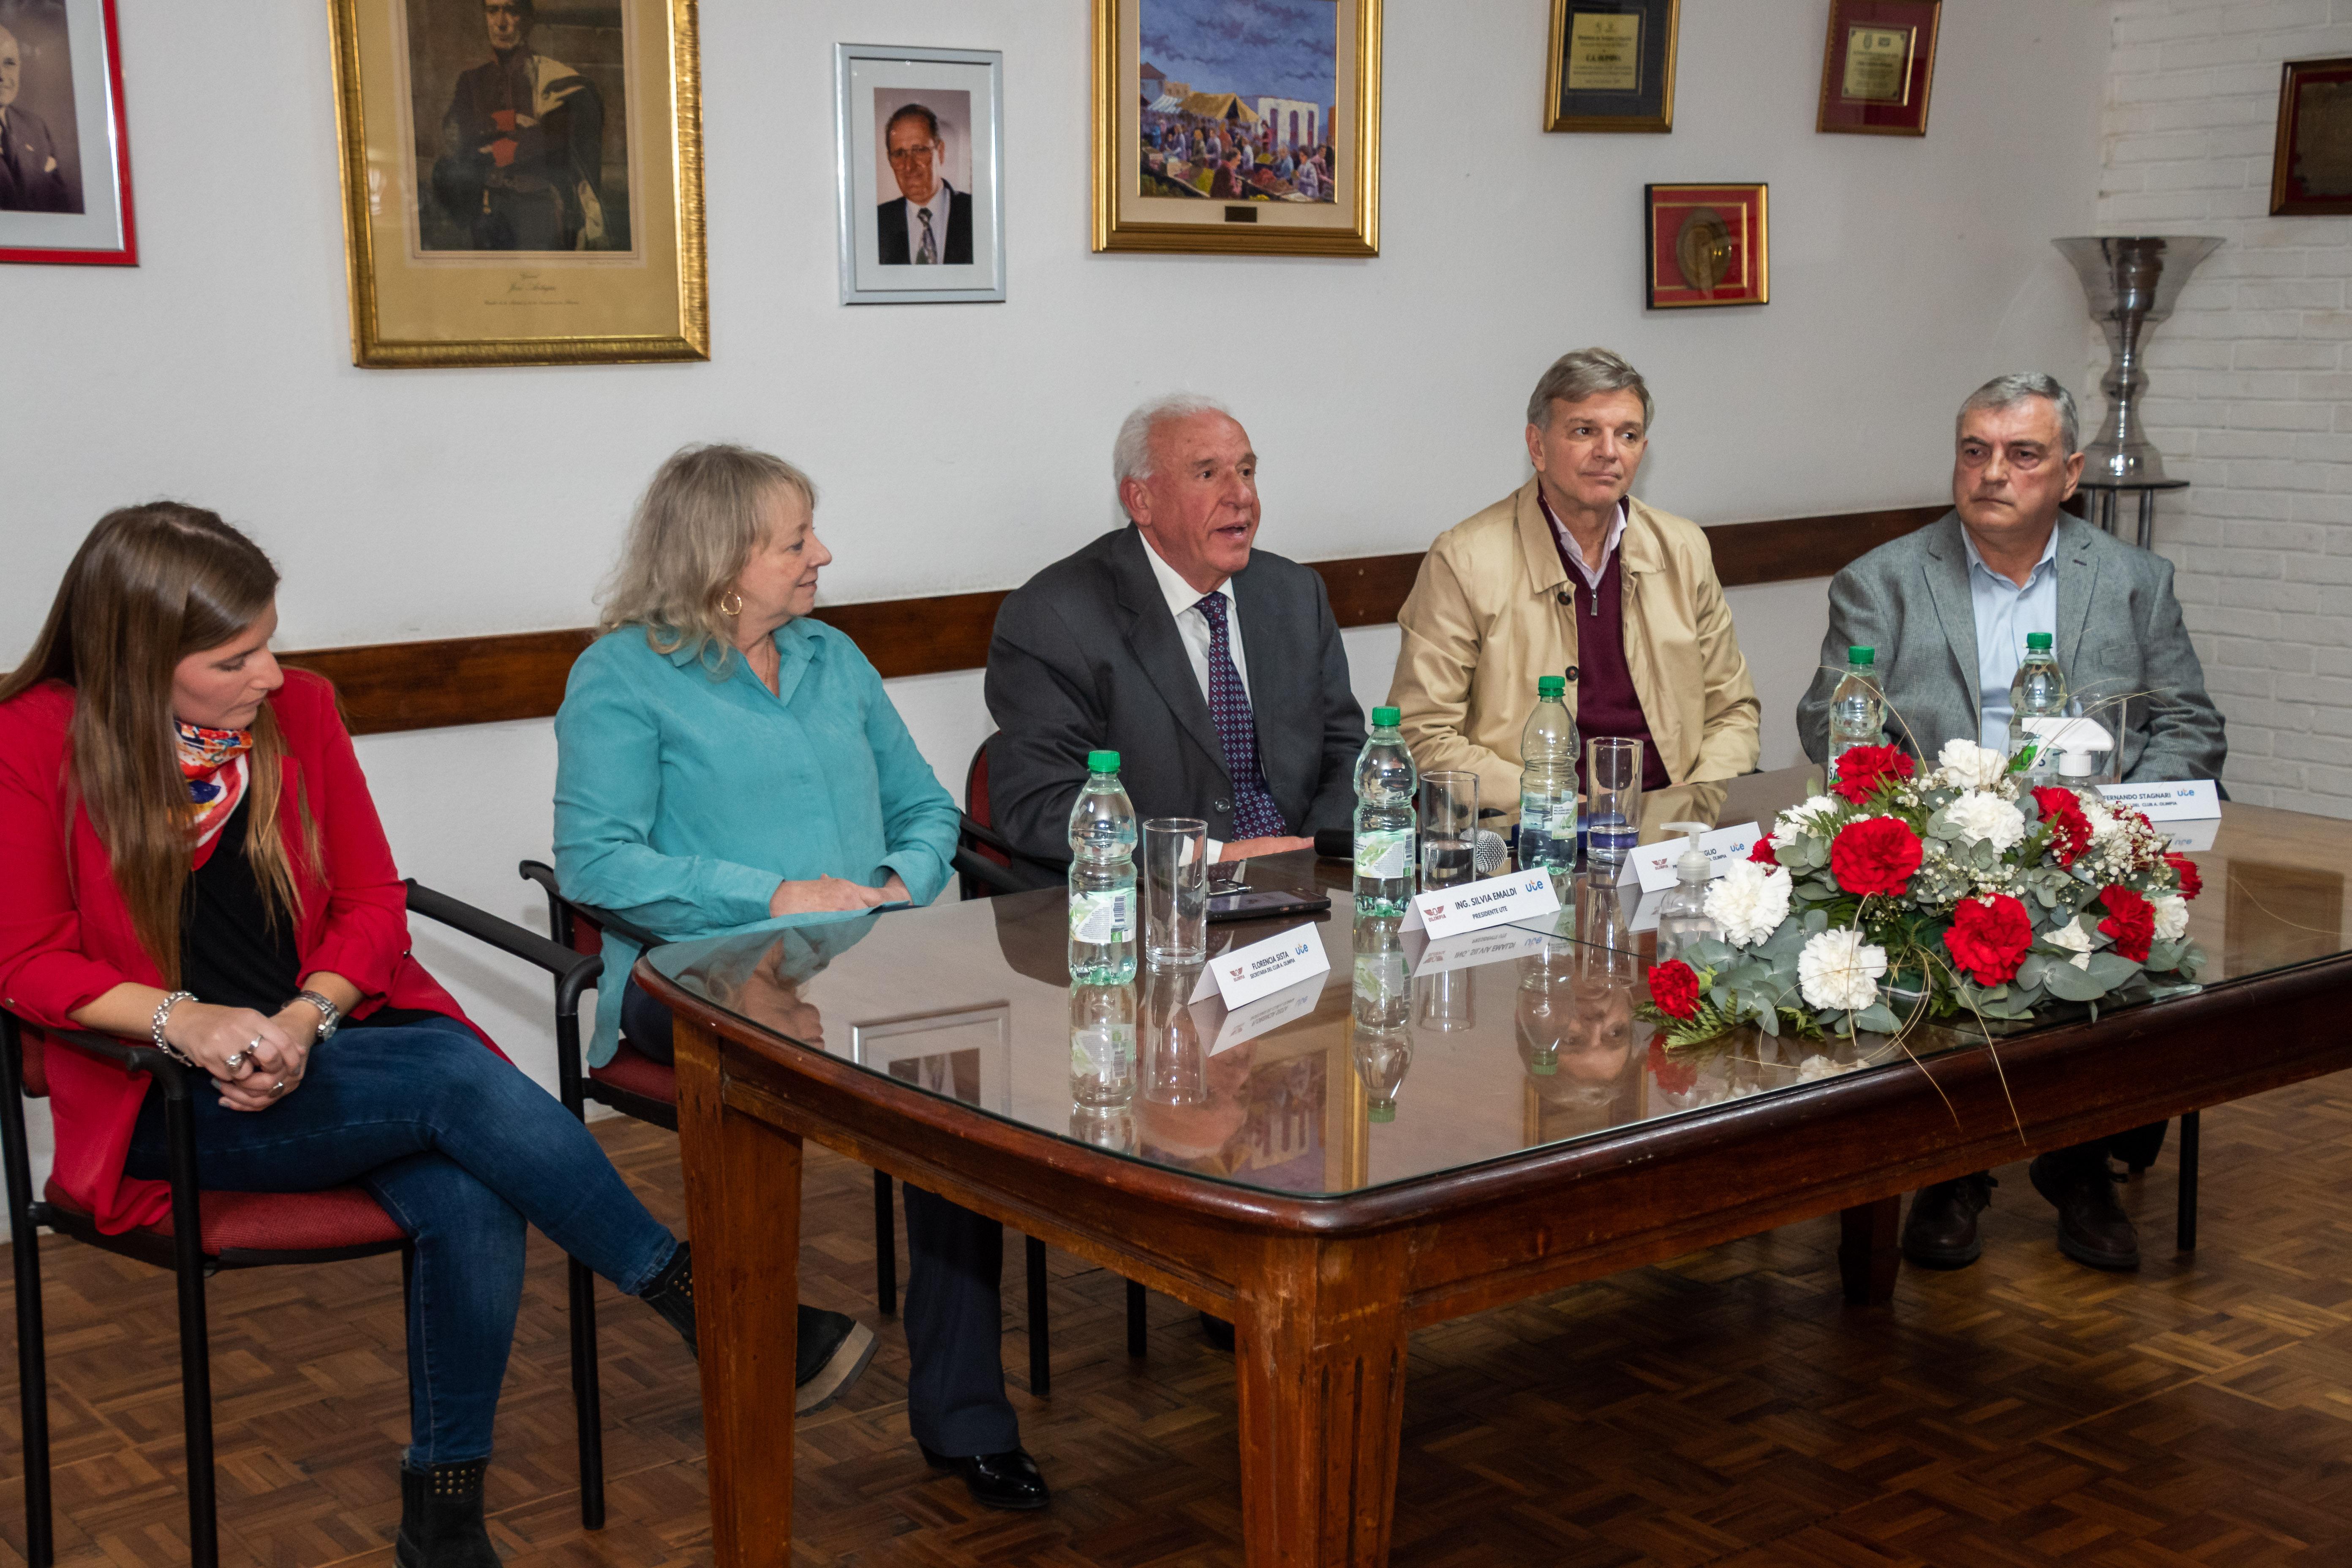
column 441, row 1519
column 672, row 1295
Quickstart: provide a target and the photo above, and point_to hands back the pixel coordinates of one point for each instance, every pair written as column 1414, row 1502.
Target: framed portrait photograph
column 960, row 1053
column 1612, row 65
column 2311, row 163
column 1708, row 245
column 1877, row 66
column 523, row 181
column 921, row 174
column 65, row 166
column 1248, row 127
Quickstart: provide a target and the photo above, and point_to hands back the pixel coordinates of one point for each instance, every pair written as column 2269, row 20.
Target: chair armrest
column 169, row 1070
column 971, row 831
column 503, row 934
column 985, row 872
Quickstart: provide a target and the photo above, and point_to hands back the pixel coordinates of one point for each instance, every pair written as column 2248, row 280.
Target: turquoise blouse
column 681, row 800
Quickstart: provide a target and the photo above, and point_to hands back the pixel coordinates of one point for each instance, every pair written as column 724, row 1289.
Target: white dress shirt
column 940, row 205
column 2005, row 612
column 1592, row 574
column 1184, row 604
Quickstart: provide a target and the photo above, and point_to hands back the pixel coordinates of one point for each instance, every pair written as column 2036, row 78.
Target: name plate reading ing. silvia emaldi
column 1497, row 901
column 1245, row 973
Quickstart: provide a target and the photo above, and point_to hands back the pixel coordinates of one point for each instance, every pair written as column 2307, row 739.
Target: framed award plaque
column 1612, row 65
column 2310, row 166
column 1877, row 66
column 1708, row 245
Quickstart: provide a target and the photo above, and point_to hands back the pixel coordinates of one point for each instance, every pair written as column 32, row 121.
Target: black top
column 237, row 950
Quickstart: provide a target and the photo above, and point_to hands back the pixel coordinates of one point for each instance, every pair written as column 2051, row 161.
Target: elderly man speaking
column 1568, row 575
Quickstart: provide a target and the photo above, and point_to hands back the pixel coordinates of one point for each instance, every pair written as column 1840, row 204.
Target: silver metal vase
column 2132, row 282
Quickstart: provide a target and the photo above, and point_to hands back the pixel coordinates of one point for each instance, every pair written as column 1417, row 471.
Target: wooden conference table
column 1430, row 1133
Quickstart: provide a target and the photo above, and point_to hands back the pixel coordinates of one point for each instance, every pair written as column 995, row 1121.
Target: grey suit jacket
column 2119, row 632
column 1086, row 655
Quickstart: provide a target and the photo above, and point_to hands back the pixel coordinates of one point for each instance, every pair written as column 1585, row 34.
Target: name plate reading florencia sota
column 1604, row 53
column 1877, row 65
column 1245, row 973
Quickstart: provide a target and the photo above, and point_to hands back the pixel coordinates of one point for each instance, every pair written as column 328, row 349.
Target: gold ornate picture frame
column 1270, row 147
column 1612, row 65
column 522, row 187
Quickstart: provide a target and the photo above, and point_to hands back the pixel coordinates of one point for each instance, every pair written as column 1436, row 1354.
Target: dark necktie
column 1255, row 814
column 928, row 255
column 14, row 171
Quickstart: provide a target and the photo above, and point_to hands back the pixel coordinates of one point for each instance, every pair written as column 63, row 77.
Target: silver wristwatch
column 330, row 1015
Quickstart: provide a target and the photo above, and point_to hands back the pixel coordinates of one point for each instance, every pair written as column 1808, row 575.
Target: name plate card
column 1475, row 906
column 2191, row 800
column 1245, row 973
column 1483, row 947
column 1263, row 1016
column 1653, row 865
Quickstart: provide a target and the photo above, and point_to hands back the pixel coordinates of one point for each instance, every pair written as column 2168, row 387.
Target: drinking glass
column 1176, row 890
column 1449, row 827
column 1613, row 795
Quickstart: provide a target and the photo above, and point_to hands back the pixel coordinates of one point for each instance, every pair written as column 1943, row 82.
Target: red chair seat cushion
column 276, row 1222
column 633, row 1072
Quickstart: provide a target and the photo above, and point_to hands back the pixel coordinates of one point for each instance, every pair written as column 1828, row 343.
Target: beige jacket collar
column 1546, row 574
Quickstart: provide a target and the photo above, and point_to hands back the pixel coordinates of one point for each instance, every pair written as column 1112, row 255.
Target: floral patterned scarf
column 213, row 764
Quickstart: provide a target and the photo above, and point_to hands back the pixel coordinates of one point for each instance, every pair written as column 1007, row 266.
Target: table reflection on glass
column 1423, row 1130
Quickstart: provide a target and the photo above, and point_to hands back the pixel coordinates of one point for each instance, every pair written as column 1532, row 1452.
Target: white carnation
column 1967, row 765
column 2171, row 917
column 2076, row 940
column 1838, row 969
column 2105, row 824
column 1804, row 818
column 1749, row 902
column 1986, row 816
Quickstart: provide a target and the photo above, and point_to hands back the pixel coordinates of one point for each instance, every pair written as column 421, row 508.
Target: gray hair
column 1130, row 455
column 2007, row 391
column 694, row 532
column 1585, row 373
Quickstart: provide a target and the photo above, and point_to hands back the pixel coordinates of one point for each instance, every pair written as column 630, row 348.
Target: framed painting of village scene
column 65, row 163
column 523, row 181
column 1237, row 126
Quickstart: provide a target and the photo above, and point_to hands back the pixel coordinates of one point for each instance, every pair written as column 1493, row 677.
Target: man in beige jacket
column 1568, row 575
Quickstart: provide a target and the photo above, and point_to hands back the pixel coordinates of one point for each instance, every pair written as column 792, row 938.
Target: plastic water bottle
column 1548, row 781
column 1682, row 915
column 1102, row 1046
column 1385, row 785
column 1102, row 877
column 1381, row 1042
column 1858, row 709
column 2038, row 690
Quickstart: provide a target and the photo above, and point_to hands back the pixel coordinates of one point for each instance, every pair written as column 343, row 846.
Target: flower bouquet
column 1899, row 898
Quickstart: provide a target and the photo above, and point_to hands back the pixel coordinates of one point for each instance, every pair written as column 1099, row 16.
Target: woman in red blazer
column 192, row 858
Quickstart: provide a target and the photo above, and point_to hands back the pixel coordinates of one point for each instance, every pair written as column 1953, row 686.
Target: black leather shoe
column 2091, row 1226
column 1940, row 1232
column 1218, row 1331
column 1007, row 1480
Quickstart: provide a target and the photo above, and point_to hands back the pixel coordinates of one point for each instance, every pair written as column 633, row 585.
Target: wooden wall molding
column 388, row 687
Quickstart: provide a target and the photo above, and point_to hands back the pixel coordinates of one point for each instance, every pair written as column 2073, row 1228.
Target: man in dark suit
column 1214, row 670
column 29, row 178
column 523, row 147
column 930, row 223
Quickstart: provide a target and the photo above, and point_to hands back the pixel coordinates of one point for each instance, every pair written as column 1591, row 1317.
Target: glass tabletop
column 1406, row 1059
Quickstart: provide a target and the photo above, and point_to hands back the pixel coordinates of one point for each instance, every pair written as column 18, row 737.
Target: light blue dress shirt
column 2005, row 615
column 681, row 801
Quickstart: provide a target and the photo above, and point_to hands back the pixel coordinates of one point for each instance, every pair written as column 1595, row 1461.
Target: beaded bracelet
column 162, row 1012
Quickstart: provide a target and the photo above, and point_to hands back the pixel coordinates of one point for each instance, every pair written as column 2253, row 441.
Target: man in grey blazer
column 1948, row 609
column 1213, row 670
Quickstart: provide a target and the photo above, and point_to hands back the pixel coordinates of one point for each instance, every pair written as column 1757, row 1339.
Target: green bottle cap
column 2037, row 639
column 1386, row 718
column 1551, row 686
column 1381, row 1111
column 1544, row 1064
column 1102, row 762
column 1860, row 654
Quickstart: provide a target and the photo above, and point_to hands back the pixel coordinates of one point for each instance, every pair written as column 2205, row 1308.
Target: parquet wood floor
column 1725, row 1409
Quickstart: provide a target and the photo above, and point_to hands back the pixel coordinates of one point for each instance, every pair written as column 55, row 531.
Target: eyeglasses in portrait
column 65, row 168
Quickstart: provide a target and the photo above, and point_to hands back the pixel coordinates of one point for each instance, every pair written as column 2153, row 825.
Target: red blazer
column 66, row 936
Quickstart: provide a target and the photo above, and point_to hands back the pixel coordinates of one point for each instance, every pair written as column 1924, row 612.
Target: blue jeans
column 462, row 1149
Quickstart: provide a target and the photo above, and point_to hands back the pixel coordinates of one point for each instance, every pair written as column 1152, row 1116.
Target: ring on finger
column 235, row 1060
column 278, row 1089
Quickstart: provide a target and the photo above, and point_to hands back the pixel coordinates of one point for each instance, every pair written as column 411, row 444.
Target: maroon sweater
column 1606, row 702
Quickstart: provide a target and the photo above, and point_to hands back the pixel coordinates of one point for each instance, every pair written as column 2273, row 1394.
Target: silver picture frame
column 961, row 1053
column 885, row 94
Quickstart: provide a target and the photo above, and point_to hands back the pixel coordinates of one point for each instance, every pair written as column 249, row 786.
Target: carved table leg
column 1868, row 1251
column 1321, row 1347
column 743, row 1209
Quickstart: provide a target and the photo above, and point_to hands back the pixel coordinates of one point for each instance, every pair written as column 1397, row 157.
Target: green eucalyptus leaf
column 2069, row 984
column 1877, row 1018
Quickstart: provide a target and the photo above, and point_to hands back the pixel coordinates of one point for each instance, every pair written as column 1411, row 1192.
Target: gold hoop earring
column 730, row 603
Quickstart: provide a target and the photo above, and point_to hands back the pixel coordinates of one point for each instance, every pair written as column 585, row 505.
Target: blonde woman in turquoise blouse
column 721, row 759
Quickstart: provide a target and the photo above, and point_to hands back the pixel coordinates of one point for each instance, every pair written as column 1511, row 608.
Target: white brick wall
column 2251, row 393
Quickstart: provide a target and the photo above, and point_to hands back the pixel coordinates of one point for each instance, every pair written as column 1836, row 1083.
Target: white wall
column 963, row 446
column 2251, row 388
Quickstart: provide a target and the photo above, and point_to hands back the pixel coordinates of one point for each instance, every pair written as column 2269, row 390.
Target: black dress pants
column 954, row 1313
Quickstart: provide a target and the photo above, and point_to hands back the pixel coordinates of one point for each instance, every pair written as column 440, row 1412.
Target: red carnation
column 1674, row 1077
column 2131, row 920
column 2191, row 883
column 1762, row 853
column 1861, row 770
column 1675, row 988
column 1989, row 937
column 1876, row 855
column 2062, row 813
